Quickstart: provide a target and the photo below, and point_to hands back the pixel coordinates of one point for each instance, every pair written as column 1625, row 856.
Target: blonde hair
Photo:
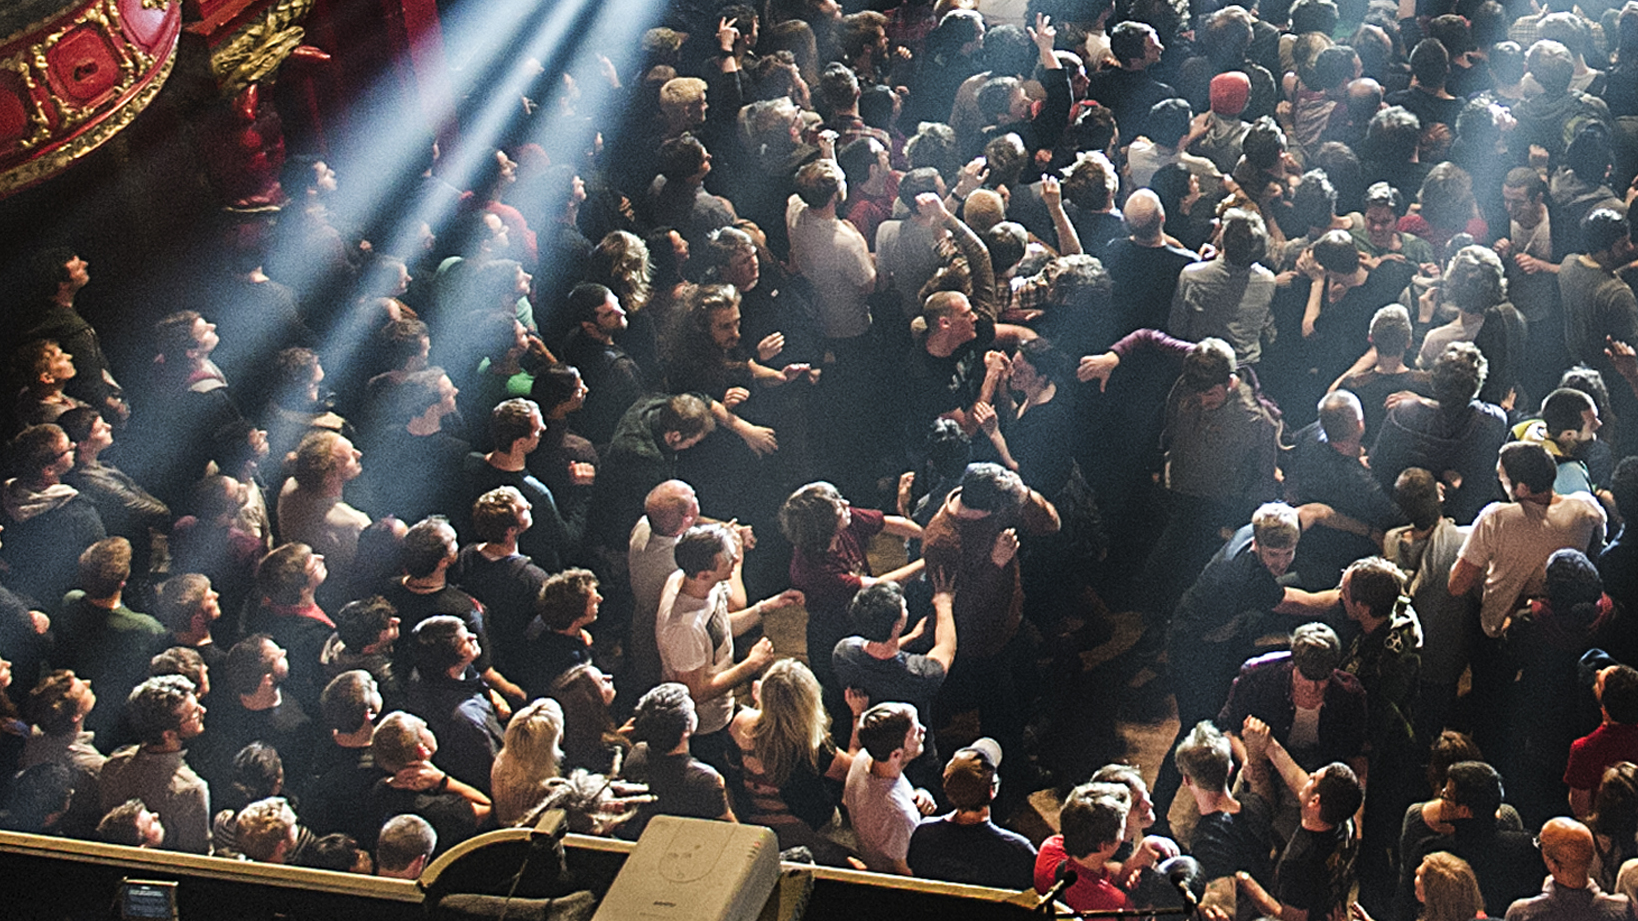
column 263, row 825
column 1450, row 890
column 528, row 758
column 680, row 91
column 793, row 724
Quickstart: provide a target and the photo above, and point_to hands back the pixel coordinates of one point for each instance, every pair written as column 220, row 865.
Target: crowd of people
column 1304, row 330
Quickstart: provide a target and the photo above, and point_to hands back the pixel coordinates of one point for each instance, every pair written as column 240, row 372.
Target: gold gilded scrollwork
column 43, row 167
column 36, row 115
column 261, row 47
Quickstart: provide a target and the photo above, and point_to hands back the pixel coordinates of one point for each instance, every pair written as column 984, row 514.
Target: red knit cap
column 1229, row 93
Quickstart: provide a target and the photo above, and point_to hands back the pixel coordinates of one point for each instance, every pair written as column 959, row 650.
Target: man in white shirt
column 882, row 805
column 702, row 608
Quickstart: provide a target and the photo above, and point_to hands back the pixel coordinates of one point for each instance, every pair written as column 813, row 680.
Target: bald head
column 1567, row 847
column 671, row 508
column 1145, row 216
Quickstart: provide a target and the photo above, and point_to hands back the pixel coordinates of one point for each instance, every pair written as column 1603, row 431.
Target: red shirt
column 1091, row 891
column 831, row 580
column 1591, row 754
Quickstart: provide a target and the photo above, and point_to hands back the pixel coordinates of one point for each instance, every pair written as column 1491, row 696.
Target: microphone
column 1063, row 878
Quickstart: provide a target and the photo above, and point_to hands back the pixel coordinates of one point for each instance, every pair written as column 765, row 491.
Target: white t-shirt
column 883, row 813
column 1511, row 542
column 833, row 256
column 693, row 633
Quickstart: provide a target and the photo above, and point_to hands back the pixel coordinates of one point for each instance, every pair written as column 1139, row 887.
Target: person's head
column 1209, row 371
column 289, row 570
column 987, row 488
column 672, row 507
column 1393, row 134
column 877, row 611
column 1552, row 65
column 705, row 550
column 1204, row 758
column 104, row 567
column 1391, row 331
column 1618, row 693
column 969, row 776
column 1430, row 64
column 1136, row 45
column 182, row 340
column 821, row 183
column 1624, row 487
column 1142, row 813
column 934, row 147
column 1418, row 495
column 682, row 102
column 254, row 662
column 442, row 644
column 1474, row 790
column 1341, row 417
column 55, row 269
column 558, row 390
column 515, row 420
column 1458, row 373
column 1384, row 206
column 429, row 544
column 1615, row 805
column 1526, row 469
column 1446, row 196
column 337, row 852
column 323, row 456
column 1450, row 748
column 185, row 661
column 401, row 740
column 1145, row 216
column 683, row 421
column 1316, row 652
column 132, row 824
column 1245, row 237
column 1589, row 155
column 1447, row 888
column 185, row 602
column 1091, row 181
column 568, row 600
column 534, row 737
column 1168, row 121
column 1275, row 530
column 258, row 771
column 59, row 703
column 891, row 730
column 367, row 625
column 42, row 452
column 1371, row 588
column 1314, row 201
column 664, row 716
column 404, row 846
column 1336, row 253
column 164, row 709
column 1333, row 67
column 1093, row 819
column 683, row 159
column 812, row 516
column 1571, row 417
column 1567, row 848
column 1606, row 236
column 1524, row 192
column 497, row 512
column 1333, row 794
column 596, row 308
column 350, row 701
column 45, row 365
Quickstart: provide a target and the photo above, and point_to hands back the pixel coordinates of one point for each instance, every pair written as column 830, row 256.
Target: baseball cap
column 971, row 771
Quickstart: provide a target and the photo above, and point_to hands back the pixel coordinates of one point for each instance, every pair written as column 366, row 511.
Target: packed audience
column 1305, row 331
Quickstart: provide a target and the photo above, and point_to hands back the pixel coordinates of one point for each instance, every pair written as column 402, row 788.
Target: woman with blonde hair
column 1446, row 888
column 784, row 758
column 529, row 757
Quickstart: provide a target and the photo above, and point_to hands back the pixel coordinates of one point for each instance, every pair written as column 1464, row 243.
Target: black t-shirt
column 683, row 785
column 983, row 854
column 1316, row 871
column 934, row 386
column 1226, row 844
column 1145, row 278
column 449, row 814
column 414, row 607
column 507, row 588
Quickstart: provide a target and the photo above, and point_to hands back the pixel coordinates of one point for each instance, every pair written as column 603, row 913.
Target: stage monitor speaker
column 695, row 870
